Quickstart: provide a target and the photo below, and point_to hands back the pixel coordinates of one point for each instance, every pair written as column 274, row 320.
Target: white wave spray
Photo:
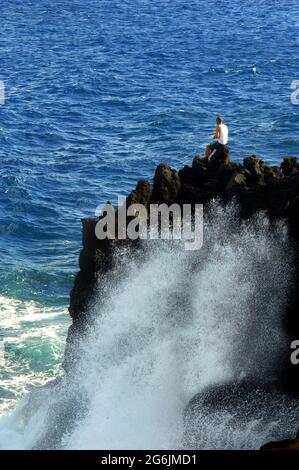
column 172, row 326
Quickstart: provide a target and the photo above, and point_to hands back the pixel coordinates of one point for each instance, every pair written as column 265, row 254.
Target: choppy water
column 98, row 93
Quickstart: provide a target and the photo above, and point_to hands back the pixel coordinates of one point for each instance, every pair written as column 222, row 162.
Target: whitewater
column 167, row 326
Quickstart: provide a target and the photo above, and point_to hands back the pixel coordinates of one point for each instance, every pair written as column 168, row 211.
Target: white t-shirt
column 223, row 139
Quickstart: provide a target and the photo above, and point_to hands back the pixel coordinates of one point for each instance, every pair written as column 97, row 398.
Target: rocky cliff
column 255, row 185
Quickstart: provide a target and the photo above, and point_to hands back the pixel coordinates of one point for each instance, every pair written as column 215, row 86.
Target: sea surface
column 97, row 93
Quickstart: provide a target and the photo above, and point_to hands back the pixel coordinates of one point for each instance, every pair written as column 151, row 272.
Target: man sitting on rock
column 221, row 139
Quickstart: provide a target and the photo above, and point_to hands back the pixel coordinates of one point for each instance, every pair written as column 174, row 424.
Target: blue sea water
column 96, row 94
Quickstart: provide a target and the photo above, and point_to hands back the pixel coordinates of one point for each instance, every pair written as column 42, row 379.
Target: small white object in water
column 254, row 69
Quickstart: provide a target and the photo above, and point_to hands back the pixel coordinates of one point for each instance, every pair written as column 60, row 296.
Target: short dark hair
column 219, row 118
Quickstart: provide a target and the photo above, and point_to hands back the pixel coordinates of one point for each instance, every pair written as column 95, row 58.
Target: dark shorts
column 217, row 146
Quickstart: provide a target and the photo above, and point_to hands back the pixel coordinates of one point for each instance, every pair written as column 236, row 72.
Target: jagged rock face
column 255, row 170
column 255, row 185
column 287, row 444
column 167, row 184
column 140, row 195
column 245, row 408
column 289, row 166
column 94, row 258
column 199, row 166
column 236, row 184
column 272, row 174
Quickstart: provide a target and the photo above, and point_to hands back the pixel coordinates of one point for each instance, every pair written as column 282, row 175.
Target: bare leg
column 207, row 151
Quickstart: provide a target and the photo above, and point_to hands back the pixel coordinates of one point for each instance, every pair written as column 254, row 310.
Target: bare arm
column 217, row 133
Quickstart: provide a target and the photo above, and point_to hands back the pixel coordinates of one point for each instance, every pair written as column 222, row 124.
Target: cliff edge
column 255, row 185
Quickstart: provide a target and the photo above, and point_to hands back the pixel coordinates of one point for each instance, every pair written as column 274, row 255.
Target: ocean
column 97, row 93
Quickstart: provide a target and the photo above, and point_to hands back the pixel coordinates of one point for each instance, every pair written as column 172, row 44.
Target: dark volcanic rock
column 216, row 162
column 286, row 444
column 245, row 407
column 94, row 259
column 256, row 186
column 289, row 166
column 255, row 170
column 236, row 184
column 140, row 195
column 272, row 174
column 167, row 184
column 199, row 167
column 220, row 155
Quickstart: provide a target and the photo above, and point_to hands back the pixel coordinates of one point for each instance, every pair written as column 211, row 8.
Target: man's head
column 219, row 120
